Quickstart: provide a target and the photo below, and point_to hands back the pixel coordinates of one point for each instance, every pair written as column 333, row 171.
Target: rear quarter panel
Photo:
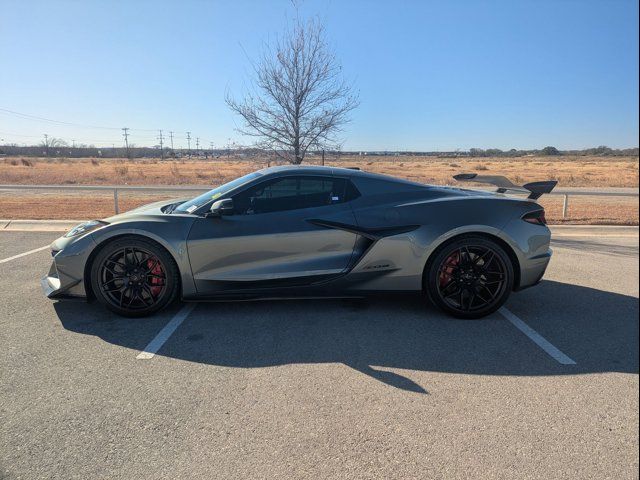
column 440, row 217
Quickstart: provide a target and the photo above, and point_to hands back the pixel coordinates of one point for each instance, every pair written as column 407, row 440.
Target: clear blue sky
column 431, row 75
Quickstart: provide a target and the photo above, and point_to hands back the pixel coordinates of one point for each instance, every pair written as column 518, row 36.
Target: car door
column 269, row 241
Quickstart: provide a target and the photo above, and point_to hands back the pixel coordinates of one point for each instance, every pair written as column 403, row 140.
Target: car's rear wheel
column 134, row 277
column 470, row 277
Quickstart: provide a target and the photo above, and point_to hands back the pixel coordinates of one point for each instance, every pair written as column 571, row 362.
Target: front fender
column 172, row 235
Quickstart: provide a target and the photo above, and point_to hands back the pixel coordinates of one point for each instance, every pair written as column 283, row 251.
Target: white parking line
column 538, row 339
column 4, row 260
column 164, row 334
column 592, row 235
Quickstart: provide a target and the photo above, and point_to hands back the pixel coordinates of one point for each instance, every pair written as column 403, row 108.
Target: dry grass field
column 570, row 171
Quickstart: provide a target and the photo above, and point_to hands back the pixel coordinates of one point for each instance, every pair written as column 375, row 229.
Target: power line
column 82, row 139
column 189, row 143
column 49, row 120
column 18, row 135
column 145, row 140
column 63, row 123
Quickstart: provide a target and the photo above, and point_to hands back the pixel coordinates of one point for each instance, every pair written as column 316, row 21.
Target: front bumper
column 50, row 286
column 65, row 278
column 57, row 286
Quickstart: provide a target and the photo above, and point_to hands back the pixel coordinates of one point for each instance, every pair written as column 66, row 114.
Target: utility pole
column 197, row 144
column 126, row 140
column 189, row 144
column 160, row 137
column 171, row 137
column 46, row 143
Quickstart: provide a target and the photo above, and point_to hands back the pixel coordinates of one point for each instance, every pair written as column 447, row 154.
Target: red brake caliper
column 447, row 269
column 155, row 270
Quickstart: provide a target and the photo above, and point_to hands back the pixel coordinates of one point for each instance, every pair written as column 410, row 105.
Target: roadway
column 379, row 388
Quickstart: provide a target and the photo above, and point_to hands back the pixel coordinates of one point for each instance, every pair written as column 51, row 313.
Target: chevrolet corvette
column 306, row 231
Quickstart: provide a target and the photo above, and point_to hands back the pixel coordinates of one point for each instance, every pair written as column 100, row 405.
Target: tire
column 470, row 277
column 134, row 277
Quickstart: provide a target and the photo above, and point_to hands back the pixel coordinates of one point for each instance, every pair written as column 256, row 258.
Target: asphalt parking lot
column 377, row 388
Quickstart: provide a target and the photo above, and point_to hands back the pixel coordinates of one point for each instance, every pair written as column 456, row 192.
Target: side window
column 290, row 193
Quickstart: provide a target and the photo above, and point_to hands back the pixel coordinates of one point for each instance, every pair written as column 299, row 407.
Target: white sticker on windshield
column 192, row 208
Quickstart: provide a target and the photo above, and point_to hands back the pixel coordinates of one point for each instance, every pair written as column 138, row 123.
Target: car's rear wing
column 534, row 189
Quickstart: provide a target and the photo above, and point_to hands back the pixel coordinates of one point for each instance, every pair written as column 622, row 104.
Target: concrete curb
column 600, row 231
column 37, row 225
column 579, row 226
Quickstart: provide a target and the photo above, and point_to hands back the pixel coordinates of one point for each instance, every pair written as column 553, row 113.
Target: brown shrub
column 122, row 170
column 175, row 171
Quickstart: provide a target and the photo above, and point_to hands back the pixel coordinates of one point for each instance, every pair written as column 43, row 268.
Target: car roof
column 330, row 170
column 306, row 169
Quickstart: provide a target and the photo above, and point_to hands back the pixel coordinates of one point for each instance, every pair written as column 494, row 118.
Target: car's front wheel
column 134, row 277
column 470, row 277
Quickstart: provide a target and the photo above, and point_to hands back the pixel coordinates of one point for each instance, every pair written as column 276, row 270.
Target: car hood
column 155, row 208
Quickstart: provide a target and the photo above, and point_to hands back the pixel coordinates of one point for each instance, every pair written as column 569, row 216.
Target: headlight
column 84, row 228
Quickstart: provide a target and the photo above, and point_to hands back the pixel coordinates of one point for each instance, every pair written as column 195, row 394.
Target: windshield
column 200, row 200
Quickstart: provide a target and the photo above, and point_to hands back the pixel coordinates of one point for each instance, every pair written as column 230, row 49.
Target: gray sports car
column 311, row 232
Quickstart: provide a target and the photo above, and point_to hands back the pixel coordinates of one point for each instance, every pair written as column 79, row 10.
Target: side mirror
column 221, row 207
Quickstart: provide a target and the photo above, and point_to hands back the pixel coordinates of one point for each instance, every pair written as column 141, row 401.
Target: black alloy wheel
column 134, row 277
column 470, row 278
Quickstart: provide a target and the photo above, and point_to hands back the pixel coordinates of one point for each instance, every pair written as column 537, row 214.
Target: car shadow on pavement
column 598, row 329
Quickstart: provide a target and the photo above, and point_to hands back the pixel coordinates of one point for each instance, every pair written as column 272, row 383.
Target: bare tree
column 53, row 142
column 299, row 100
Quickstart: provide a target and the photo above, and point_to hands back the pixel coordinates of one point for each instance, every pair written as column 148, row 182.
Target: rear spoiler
column 534, row 189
